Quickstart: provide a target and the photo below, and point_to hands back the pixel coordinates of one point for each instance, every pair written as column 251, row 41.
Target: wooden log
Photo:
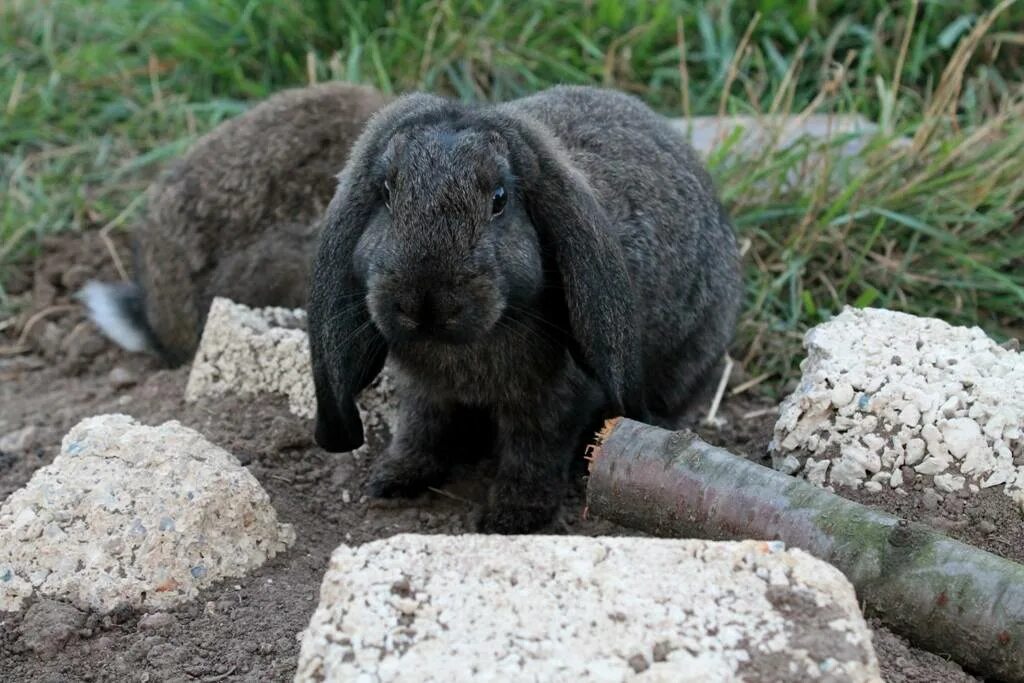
column 943, row 595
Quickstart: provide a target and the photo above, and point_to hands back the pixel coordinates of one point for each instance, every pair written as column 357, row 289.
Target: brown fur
column 238, row 216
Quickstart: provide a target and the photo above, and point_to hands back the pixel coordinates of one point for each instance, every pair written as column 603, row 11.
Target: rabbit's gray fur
column 238, row 217
column 610, row 284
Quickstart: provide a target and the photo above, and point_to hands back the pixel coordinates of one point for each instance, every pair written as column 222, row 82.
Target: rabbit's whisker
column 539, row 318
column 352, row 336
column 342, row 313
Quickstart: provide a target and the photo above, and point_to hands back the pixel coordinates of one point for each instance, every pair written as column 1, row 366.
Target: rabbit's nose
column 452, row 313
column 406, row 315
column 425, row 311
column 416, row 312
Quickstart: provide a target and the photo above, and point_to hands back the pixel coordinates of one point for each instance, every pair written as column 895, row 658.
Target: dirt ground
column 245, row 629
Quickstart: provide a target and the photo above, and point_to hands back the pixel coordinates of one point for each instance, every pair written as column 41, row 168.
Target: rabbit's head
column 454, row 245
column 447, row 218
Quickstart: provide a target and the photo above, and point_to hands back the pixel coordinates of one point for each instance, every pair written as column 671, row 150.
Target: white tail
column 116, row 310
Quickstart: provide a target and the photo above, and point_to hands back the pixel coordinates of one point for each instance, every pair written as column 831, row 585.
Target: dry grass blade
column 684, row 71
column 116, row 222
column 749, row 384
column 897, row 74
column 734, row 64
column 39, row 316
column 716, row 402
column 951, row 83
column 448, row 494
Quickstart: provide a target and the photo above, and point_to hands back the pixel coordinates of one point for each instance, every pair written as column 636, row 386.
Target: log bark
column 943, row 595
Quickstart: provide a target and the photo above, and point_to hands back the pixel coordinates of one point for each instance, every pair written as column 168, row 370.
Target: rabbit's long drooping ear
column 347, row 350
column 591, row 265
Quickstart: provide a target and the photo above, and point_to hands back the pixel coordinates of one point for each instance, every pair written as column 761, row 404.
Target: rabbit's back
column 679, row 245
column 275, row 163
column 238, row 216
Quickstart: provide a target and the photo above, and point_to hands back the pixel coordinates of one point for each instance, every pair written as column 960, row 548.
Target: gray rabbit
column 528, row 268
column 238, row 217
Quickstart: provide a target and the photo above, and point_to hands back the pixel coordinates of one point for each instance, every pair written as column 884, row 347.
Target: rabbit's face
column 453, row 248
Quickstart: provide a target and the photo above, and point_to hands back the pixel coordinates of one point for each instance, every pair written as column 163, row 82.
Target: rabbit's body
column 665, row 252
column 529, row 269
column 678, row 243
column 238, row 217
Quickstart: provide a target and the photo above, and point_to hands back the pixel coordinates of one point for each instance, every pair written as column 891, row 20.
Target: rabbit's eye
column 387, row 195
column 498, row 201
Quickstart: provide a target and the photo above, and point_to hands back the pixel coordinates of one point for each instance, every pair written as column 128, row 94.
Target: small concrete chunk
column 122, row 378
column 130, row 515
column 246, row 352
column 552, row 608
column 882, row 390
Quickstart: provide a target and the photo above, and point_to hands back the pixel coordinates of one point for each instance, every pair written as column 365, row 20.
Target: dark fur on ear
column 597, row 288
column 346, row 348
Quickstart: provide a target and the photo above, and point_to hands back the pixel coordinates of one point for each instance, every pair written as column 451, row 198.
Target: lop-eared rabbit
column 528, row 269
column 237, row 217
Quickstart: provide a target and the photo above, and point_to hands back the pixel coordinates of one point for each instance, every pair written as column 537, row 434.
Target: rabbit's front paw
column 403, row 475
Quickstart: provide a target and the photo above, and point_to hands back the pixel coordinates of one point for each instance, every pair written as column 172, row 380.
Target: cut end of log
column 594, row 448
column 606, row 430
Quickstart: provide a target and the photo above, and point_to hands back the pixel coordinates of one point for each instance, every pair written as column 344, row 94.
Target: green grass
column 95, row 96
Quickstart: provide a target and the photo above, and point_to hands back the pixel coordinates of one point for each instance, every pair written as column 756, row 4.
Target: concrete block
column 565, row 608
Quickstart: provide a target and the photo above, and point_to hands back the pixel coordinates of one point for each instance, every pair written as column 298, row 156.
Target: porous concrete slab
column 884, row 391
column 557, row 608
column 130, row 515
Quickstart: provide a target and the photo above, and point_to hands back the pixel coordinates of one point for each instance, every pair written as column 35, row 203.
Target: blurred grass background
column 96, row 95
